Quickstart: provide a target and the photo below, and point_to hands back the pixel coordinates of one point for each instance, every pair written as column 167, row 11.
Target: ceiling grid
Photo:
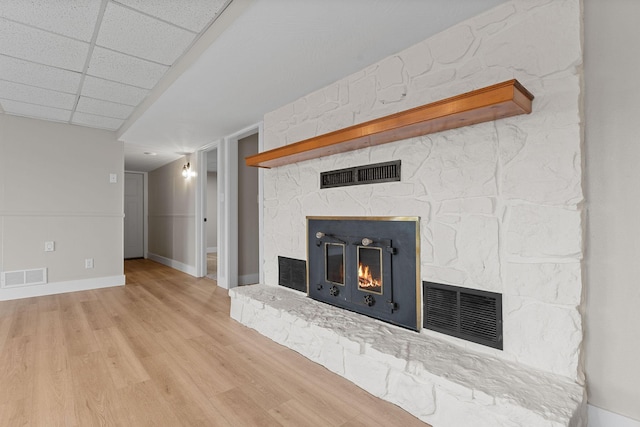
column 91, row 62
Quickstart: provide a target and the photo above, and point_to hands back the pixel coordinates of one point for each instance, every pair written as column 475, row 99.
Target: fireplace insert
column 368, row 265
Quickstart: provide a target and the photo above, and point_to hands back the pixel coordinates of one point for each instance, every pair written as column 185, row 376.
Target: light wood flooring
column 162, row 351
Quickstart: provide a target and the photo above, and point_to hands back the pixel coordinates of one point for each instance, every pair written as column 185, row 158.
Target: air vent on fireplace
column 292, row 273
column 469, row 314
column 367, row 174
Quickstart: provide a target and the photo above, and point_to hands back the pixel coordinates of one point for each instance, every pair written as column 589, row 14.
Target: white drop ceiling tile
column 103, row 108
column 126, row 69
column 36, row 95
column 92, row 120
column 133, row 33
column 94, row 87
column 17, row 70
column 20, row 41
column 37, row 111
column 75, row 18
column 193, row 14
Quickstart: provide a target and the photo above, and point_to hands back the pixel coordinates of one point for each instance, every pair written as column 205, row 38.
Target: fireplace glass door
column 370, row 269
column 334, row 262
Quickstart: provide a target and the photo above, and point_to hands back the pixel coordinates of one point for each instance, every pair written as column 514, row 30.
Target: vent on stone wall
column 292, row 273
column 367, row 174
column 37, row 276
column 464, row 313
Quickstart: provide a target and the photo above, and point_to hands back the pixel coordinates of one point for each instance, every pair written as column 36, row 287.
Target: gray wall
column 172, row 216
column 212, row 209
column 54, row 186
column 613, row 205
column 248, row 249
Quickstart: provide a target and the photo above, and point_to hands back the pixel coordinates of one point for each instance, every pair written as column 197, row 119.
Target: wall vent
column 292, row 273
column 469, row 314
column 36, row 276
column 367, row 174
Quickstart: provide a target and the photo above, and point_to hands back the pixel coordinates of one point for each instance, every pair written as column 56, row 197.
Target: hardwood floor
column 162, row 351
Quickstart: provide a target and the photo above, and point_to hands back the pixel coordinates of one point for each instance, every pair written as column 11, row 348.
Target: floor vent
column 292, row 273
column 367, row 174
column 37, row 276
column 469, row 314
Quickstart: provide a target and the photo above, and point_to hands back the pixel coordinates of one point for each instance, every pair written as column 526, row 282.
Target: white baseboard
column 602, row 418
column 248, row 279
column 185, row 268
column 212, row 250
column 61, row 287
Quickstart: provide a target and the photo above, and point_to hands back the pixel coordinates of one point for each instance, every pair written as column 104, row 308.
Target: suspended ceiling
column 170, row 76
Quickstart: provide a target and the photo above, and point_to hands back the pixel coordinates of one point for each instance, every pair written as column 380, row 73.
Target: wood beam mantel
column 495, row 102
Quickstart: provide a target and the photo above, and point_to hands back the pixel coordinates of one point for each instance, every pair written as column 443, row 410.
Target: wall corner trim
column 53, row 288
column 185, row 268
column 599, row 417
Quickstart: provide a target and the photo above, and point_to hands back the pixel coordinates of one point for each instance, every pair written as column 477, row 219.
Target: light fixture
column 186, row 171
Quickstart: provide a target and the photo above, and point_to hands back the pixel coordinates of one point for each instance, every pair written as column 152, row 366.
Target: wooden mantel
column 502, row 100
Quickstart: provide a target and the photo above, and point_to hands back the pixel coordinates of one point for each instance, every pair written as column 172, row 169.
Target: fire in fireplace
column 367, row 265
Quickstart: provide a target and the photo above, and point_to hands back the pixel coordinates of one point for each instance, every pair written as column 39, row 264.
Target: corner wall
column 613, row 209
column 500, row 202
column 54, row 186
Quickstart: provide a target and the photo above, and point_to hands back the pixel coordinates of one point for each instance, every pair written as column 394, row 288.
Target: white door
column 133, row 215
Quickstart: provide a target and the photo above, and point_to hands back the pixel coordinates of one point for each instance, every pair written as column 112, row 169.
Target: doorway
column 133, row 215
column 230, row 163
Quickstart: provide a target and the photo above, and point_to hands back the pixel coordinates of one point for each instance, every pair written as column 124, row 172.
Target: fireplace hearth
column 367, row 265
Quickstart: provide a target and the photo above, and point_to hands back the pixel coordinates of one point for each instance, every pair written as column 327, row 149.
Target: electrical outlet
column 49, row 246
column 88, row 263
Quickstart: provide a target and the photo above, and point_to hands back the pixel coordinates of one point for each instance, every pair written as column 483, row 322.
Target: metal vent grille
column 36, row 276
column 367, row 174
column 464, row 313
column 292, row 273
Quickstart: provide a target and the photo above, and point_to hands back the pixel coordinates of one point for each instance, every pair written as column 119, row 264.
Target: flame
column 365, row 279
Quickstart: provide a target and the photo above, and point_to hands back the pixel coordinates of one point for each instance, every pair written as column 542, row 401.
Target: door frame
column 145, row 209
column 227, row 149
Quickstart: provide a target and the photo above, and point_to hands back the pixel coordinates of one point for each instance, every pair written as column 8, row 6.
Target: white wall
column 172, row 216
column 54, row 186
column 613, row 205
column 500, row 203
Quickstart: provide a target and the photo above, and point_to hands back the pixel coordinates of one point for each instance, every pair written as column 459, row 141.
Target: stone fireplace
column 500, row 207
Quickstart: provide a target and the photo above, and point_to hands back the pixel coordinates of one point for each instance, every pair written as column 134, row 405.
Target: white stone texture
column 450, row 46
column 551, row 342
column 479, row 205
column 509, row 192
column 549, row 282
column 545, row 232
column 417, row 59
column 464, row 166
column 440, row 383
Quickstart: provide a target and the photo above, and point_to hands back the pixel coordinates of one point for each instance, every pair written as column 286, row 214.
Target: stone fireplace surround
column 440, row 383
column 500, row 206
